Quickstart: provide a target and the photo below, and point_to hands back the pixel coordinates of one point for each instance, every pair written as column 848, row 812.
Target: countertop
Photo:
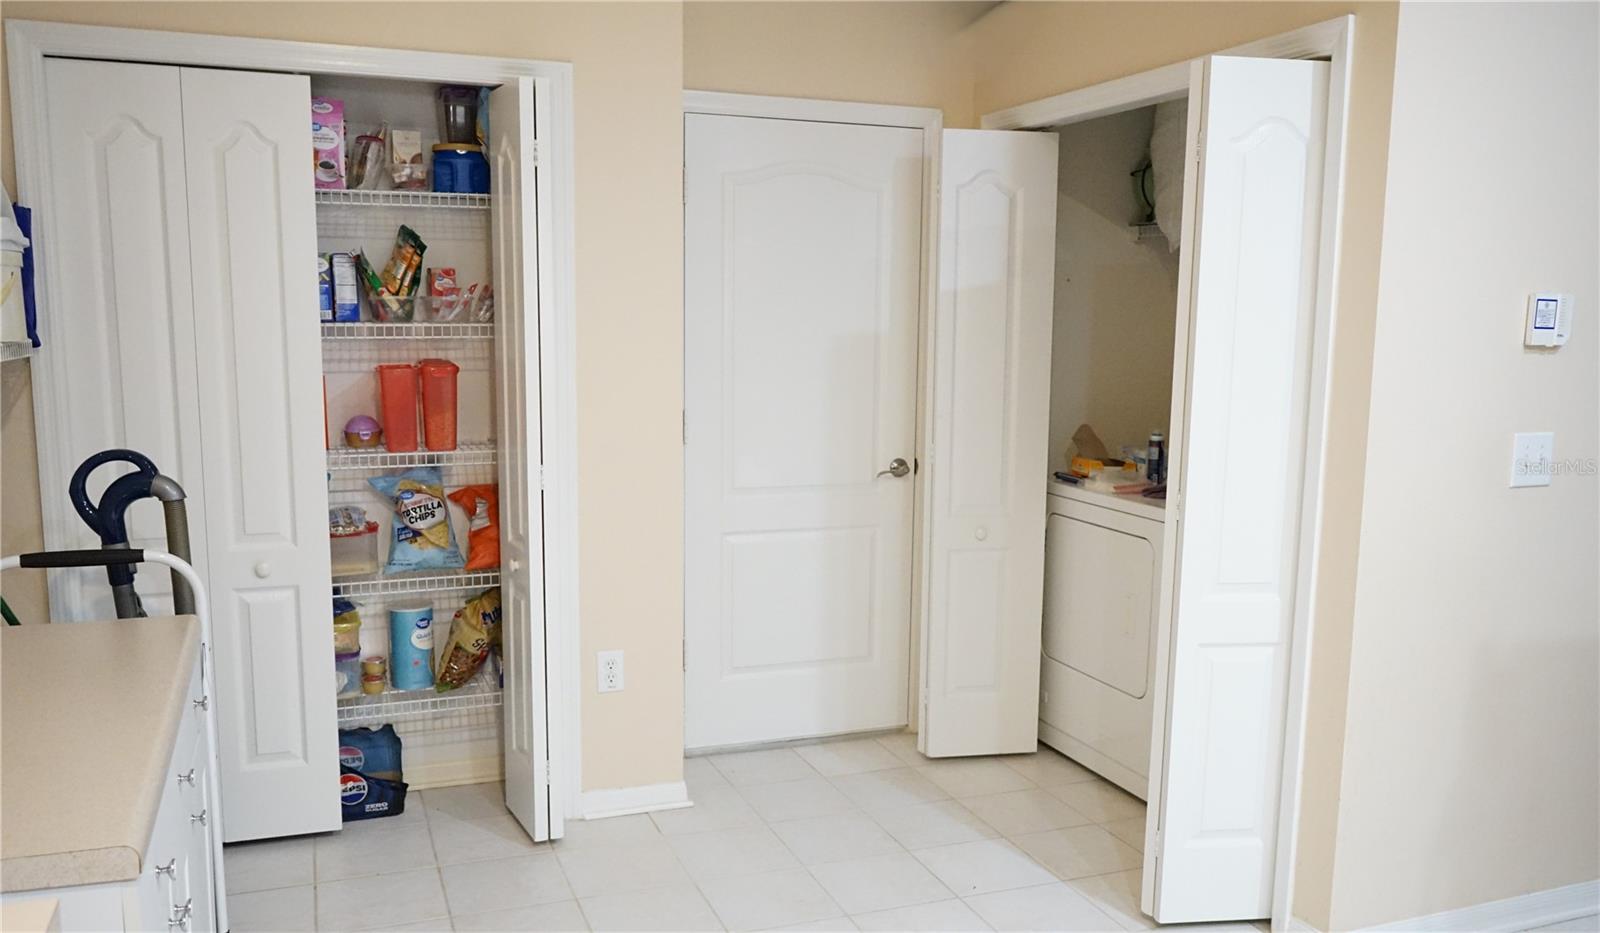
column 90, row 712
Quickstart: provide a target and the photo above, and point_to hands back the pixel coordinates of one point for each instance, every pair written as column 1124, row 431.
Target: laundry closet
column 1115, row 311
column 216, row 339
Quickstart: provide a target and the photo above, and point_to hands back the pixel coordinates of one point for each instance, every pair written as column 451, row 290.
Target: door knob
column 263, row 570
column 898, row 467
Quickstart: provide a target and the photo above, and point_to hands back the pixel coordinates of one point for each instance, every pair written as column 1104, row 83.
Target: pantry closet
column 179, row 234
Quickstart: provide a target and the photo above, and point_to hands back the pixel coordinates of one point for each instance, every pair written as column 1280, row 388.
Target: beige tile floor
column 844, row 835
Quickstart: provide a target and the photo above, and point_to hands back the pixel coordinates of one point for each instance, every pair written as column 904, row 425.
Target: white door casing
column 258, row 350
column 516, row 284
column 1246, row 306
column 802, row 285
column 989, row 408
column 117, row 207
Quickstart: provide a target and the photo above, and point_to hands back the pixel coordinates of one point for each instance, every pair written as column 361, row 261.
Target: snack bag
column 482, row 505
column 423, row 538
column 474, row 630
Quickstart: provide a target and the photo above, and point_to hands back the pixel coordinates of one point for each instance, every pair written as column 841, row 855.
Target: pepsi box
column 367, row 798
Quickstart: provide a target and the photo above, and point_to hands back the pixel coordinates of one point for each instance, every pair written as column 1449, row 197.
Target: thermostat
column 1549, row 320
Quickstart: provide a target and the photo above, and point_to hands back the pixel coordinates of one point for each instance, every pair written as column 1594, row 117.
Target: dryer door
column 1097, row 601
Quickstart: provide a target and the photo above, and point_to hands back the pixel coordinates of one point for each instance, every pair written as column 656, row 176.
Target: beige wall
column 20, row 526
column 1116, row 298
column 1024, row 51
column 628, row 69
column 910, row 53
column 1470, row 764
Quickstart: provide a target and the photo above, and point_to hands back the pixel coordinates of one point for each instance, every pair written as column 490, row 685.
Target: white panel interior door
column 801, row 267
column 1238, row 445
column 253, row 240
column 516, row 285
column 117, row 224
column 990, row 424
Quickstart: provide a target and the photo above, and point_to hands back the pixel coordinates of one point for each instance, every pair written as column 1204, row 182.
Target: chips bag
column 482, row 506
column 423, row 538
column 474, row 630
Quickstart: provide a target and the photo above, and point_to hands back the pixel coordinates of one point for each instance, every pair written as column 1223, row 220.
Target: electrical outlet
column 609, row 676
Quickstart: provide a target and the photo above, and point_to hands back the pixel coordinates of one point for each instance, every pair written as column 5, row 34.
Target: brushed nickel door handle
column 898, row 467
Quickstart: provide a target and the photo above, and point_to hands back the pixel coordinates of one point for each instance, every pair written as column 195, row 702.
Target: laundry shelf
column 417, row 331
column 1150, row 231
column 482, row 692
column 375, row 585
column 403, row 199
column 346, row 458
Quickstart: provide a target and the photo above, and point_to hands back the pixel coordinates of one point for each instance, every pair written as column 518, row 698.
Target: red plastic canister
column 397, row 393
column 438, row 403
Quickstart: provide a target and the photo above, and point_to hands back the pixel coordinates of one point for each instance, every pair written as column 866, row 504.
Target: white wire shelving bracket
column 372, row 330
column 357, row 198
column 482, row 692
column 375, row 585
column 471, row 454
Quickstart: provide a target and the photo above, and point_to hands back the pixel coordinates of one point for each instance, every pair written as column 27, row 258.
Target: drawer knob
column 170, row 869
column 198, row 817
column 203, row 703
column 982, row 534
column 187, row 778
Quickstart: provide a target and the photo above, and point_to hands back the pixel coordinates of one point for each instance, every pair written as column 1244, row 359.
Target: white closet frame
column 1332, row 40
column 29, row 43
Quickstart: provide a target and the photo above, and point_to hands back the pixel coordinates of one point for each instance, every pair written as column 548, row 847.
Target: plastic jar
column 397, row 391
column 438, row 403
column 354, row 551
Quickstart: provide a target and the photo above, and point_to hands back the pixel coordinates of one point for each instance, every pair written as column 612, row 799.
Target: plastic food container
column 347, row 672
column 354, row 551
column 439, row 403
column 347, row 635
column 411, row 648
column 372, row 684
column 460, row 169
column 397, row 388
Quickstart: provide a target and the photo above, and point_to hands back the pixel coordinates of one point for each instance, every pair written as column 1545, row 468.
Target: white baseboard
column 1296, row 925
column 1513, row 914
column 621, row 801
column 430, row 774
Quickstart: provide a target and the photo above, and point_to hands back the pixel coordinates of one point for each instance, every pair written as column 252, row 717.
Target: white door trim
column 930, row 121
column 1334, row 40
column 28, row 43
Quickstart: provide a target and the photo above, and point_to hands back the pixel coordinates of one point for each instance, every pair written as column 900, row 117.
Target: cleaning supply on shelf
column 474, row 629
column 397, row 397
column 327, row 142
column 362, row 797
column 375, row 752
column 1156, row 462
column 423, row 538
column 438, row 403
column 481, row 502
column 411, row 648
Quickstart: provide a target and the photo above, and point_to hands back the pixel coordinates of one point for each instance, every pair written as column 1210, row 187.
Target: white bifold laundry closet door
column 259, row 359
column 1247, row 294
column 517, row 404
column 984, row 572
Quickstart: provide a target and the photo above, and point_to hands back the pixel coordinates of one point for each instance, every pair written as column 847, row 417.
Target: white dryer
column 1102, row 575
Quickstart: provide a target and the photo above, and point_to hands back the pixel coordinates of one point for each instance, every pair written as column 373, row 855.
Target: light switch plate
column 1532, row 456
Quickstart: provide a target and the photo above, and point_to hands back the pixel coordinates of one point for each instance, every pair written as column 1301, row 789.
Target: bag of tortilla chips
column 423, row 538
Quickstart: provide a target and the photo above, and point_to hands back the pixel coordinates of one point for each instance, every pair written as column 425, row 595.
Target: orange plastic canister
column 397, row 393
column 439, row 403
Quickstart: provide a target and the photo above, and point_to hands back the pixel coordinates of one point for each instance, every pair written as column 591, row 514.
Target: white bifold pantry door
column 1247, row 294
column 258, row 355
column 990, row 407
column 517, row 411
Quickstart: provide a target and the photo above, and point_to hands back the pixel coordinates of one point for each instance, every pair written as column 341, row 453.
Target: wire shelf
column 375, row 585
column 372, row 330
column 469, row 454
column 357, row 198
column 1147, row 232
column 482, row 692
column 15, row 350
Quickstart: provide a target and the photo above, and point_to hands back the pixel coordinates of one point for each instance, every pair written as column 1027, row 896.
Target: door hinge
column 534, row 155
column 541, row 477
column 916, row 466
